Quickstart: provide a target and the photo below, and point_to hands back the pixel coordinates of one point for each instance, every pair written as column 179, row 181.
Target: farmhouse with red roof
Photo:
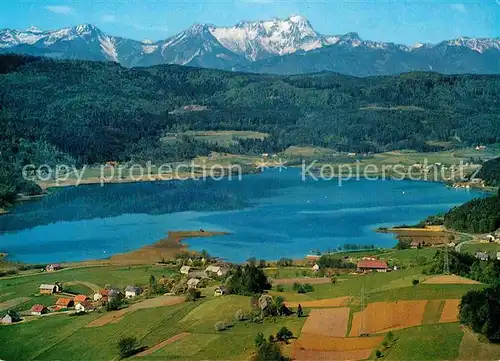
column 38, row 310
column 372, row 265
column 80, row 299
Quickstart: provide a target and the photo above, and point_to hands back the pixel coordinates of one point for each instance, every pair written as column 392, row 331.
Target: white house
column 482, row 256
column 101, row 294
column 315, row 268
column 185, row 270
column 132, row 291
column 218, row 270
column 47, row 289
column 7, row 319
column 38, row 310
column 84, row 306
column 220, row 291
column 193, row 282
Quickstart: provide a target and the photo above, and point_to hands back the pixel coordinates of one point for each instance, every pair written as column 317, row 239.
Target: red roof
column 80, row 298
column 87, row 304
column 372, row 264
column 38, row 308
column 103, row 292
column 64, row 302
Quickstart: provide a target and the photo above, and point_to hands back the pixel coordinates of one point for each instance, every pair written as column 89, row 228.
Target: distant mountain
column 280, row 46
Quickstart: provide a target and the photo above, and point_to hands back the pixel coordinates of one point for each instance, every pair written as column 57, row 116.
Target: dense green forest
column 81, row 112
column 480, row 310
column 490, row 172
column 476, row 216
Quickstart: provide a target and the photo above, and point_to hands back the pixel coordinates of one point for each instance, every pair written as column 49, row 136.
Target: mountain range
column 278, row 46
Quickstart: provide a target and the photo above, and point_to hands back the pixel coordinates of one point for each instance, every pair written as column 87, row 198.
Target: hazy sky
column 404, row 22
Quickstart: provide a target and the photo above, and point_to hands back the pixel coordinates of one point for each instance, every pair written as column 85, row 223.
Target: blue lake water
column 269, row 215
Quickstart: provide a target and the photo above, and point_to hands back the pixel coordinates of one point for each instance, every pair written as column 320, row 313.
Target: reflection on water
column 270, row 215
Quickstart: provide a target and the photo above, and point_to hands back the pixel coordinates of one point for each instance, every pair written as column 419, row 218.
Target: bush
column 280, row 288
column 220, row 326
column 192, row 294
column 284, row 334
column 240, row 315
column 259, row 339
column 302, row 288
column 300, row 312
column 269, row 351
column 127, row 346
column 114, row 304
column 378, row 354
column 415, row 282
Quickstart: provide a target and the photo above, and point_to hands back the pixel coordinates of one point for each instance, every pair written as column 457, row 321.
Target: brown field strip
column 327, row 322
column 310, row 280
column 309, row 341
column 13, row 302
column 307, row 355
column 450, row 311
column 116, row 316
column 163, row 344
column 384, row 316
column 450, row 280
column 328, row 302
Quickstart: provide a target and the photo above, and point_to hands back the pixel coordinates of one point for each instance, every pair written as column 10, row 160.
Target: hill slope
column 87, row 112
column 490, row 172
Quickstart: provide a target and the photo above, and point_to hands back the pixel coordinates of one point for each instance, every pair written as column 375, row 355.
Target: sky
column 399, row 21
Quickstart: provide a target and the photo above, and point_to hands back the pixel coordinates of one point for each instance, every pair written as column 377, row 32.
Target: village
column 336, row 304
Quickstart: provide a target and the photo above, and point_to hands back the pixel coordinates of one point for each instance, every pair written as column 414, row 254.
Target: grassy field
column 225, row 137
column 432, row 342
column 288, row 272
column 58, row 337
column 73, row 341
column 78, row 289
column 352, row 285
column 490, row 248
column 423, row 292
column 116, row 276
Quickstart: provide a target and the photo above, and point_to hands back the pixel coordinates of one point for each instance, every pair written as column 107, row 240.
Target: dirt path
column 116, row 316
column 163, row 344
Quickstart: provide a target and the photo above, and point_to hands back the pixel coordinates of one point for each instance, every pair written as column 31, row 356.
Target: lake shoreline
column 163, row 250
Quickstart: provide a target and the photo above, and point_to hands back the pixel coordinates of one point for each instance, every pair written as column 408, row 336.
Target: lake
column 269, row 215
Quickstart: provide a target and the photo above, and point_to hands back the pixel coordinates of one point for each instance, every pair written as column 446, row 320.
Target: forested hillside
column 490, row 172
column 476, row 216
column 90, row 112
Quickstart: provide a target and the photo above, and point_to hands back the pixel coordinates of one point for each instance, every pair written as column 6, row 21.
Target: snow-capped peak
column 147, row 41
column 477, row 44
column 85, row 29
column 33, row 29
column 260, row 39
column 297, row 19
